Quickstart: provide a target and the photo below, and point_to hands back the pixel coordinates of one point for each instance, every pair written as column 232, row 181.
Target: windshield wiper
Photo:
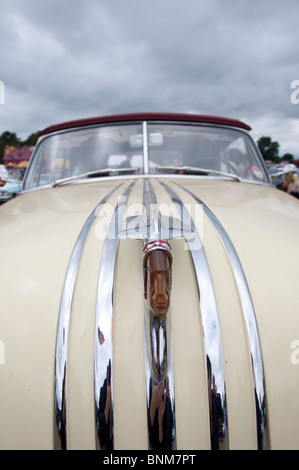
column 93, row 174
column 196, row 171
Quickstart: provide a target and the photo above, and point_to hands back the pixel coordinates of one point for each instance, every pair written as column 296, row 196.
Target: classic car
column 149, row 298
column 8, row 191
column 12, row 185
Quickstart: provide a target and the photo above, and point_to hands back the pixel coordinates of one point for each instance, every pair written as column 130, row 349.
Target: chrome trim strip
column 60, row 399
column 158, row 343
column 211, row 330
column 103, row 340
column 160, row 393
column 159, row 374
column 252, row 329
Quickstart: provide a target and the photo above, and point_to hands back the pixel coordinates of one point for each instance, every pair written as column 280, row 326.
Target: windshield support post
column 145, row 148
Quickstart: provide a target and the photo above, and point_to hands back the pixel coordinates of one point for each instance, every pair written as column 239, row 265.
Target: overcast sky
column 66, row 59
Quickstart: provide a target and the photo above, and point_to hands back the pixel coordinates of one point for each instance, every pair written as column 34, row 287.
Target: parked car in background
column 153, row 267
column 12, row 185
column 9, row 190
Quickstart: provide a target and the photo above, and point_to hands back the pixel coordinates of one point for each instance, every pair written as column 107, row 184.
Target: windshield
column 203, row 147
column 77, row 152
column 170, row 147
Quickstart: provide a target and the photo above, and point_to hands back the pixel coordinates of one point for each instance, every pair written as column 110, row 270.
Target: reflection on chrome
column 157, row 343
column 158, row 349
column 60, row 400
column 159, row 382
column 252, row 330
column 211, row 332
column 103, row 342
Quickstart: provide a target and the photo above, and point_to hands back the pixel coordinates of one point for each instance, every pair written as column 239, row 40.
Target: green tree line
column 11, row 139
column 270, row 150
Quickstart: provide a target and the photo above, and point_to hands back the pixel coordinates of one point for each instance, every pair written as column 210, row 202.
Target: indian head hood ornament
column 156, row 230
column 157, row 264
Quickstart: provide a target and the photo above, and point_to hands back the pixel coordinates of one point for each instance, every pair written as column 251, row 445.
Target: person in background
column 290, row 180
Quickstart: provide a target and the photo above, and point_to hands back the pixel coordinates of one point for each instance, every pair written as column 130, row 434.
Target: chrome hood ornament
column 156, row 230
column 157, row 263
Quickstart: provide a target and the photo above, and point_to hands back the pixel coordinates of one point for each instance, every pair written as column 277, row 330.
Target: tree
column 8, row 138
column 31, row 140
column 11, row 139
column 269, row 149
column 287, row 157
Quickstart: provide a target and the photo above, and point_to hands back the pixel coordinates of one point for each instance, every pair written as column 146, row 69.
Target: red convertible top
column 145, row 117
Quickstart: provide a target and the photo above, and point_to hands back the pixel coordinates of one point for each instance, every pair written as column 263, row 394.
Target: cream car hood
column 39, row 231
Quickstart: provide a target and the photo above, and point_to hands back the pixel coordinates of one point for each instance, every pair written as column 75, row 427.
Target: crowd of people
column 287, row 179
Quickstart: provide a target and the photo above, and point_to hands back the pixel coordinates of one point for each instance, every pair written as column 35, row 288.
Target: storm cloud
column 62, row 60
